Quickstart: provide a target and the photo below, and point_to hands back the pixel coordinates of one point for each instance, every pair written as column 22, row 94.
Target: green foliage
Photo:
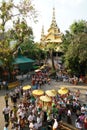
column 27, row 8
column 19, row 32
column 78, row 27
column 32, row 50
column 75, row 46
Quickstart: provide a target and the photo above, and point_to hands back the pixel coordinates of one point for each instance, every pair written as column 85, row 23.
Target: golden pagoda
column 54, row 35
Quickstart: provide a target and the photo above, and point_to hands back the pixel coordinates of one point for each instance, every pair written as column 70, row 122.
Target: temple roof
column 54, row 35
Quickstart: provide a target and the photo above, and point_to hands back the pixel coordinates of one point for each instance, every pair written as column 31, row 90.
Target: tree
column 18, row 32
column 76, row 53
column 32, row 50
column 51, row 47
column 78, row 27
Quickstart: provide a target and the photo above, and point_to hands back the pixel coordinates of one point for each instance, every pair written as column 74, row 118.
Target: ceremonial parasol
column 54, row 91
column 45, row 98
column 26, row 87
column 63, row 91
column 38, row 92
column 51, row 93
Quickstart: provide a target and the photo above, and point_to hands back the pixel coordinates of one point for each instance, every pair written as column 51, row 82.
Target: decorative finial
column 53, row 24
column 42, row 33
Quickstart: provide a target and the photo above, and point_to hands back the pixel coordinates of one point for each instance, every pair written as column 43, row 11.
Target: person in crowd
column 35, row 125
column 14, row 98
column 78, row 93
column 17, row 92
column 6, row 112
column 4, row 84
column 78, row 124
column 55, row 124
column 21, row 122
column 6, row 126
column 6, row 97
column 30, row 118
column 44, row 116
column 86, row 95
column 69, row 121
column 81, row 117
column 11, row 96
column 39, row 120
column 15, row 111
column 31, row 125
column 85, row 123
column 21, row 90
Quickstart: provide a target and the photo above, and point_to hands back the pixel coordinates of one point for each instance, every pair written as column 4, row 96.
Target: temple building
column 54, row 35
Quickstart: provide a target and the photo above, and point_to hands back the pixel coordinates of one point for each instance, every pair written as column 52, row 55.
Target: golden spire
column 42, row 33
column 53, row 24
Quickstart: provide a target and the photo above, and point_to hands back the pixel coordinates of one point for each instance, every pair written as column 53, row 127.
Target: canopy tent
column 24, row 63
column 21, row 60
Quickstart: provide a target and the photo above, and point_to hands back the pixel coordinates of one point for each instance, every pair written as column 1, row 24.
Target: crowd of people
column 26, row 109
column 60, row 76
column 40, row 78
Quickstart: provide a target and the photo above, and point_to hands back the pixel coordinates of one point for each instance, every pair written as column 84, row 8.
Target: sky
column 66, row 12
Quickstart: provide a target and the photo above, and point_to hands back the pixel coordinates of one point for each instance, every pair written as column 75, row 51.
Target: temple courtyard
column 53, row 85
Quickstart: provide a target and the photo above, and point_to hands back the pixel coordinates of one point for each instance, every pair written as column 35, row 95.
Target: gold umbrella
column 63, row 91
column 51, row 93
column 45, row 98
column 38, row 92
column 26, row 87
column 54, row 91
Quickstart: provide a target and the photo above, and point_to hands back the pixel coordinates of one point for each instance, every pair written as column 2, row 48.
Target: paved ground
column 53, row 85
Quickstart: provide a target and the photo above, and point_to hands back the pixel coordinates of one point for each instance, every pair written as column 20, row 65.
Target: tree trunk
column 52, row 59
